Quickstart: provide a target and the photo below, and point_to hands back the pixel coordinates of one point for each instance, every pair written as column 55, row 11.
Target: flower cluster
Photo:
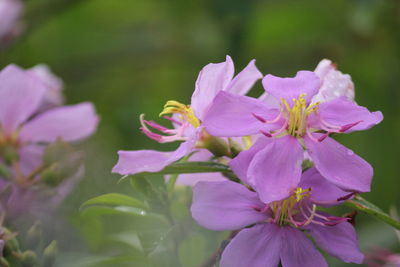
column 266, row 141
column 31, row 118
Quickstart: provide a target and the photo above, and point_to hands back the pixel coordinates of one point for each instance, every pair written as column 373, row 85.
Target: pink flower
column 23, row 132
column 273, row 164
column 10, row 11
column 187, row 119
column 276, row 231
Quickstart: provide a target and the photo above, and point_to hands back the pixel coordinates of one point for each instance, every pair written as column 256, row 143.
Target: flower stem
column 365, row 206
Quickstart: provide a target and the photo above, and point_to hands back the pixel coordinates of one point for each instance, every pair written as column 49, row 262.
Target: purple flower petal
column 132, row 162
column 298, row 251
column 305, row 82
column 233, row 115
column 340, row 165
column 30, row 157
column 243, row 82
column 10, row 11
column 343, row 112
column 20, row 95
column 225, row 206
column 322, row 191
column 212, row 79
column 240, row 164
column 275, row 171
column 258, row 246
column 71, row 123
column 339, row 241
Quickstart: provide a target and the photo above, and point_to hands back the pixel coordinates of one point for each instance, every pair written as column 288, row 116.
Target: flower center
column 9, row 145
column 297, row 115
column 284, row 210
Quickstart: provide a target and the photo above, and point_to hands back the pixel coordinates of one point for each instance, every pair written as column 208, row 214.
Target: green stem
column 363, row 205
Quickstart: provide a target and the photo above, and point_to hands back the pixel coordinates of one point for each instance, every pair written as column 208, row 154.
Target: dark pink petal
column 258, row 246
column 20, row 95
column 343, row 112
column 340, row 165
column 240, row 164
column 275, row 170
column 339, row 240
column 132, row 162
column 298, row 251
column 70, row 123
column 322, row 191
column 225, row 205
column 233, row 115
column 243, row 82
column 305, row 82
column 212, row 79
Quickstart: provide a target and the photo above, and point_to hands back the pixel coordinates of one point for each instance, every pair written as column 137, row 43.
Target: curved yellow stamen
column 186, row 111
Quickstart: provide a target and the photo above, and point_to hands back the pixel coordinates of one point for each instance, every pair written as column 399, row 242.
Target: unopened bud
column 215, row 145
column 34, row 235
column 9, row 153
column 49, row 254
column 29, row 259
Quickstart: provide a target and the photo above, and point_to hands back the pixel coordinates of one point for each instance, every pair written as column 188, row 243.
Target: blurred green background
column 131, row 56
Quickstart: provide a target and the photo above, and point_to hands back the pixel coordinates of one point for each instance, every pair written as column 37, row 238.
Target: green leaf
column 363, row 205
column 114, row 199
column 97, row 211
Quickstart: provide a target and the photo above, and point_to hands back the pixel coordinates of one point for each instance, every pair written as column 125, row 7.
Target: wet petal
column 305, row 82
column 322, row 191
column 258, row 246
column 240, row 164
column 233, row 115
column 298, row 251
column 70, row 123
column 243, row 82
column 132, row 162
column 340, row 241
column 340, row 165
column 334, row 83
column 212, row 78
column 275, row 170
column 342, row 112
column 20, row 95
column 225, row 206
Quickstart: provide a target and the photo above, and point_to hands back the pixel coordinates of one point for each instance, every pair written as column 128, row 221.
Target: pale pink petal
column 212, row 79
column 305, row 82
column 334, row 83
column 343, row 112
column 30, row 157
column 258, row 246
column 70, row 123
column 10, row 11
column 340, row 165
column 339, row 240
column 132, row 162
column 298, row 251
column 20, row 95
column 234, row 115
column 243, row 82
column 275, row 171
column 225, row 205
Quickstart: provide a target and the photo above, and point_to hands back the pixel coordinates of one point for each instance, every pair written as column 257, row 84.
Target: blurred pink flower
column 10, row 11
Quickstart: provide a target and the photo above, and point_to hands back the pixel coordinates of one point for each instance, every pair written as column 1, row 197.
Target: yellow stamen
column 186, row 111
column 247, row 142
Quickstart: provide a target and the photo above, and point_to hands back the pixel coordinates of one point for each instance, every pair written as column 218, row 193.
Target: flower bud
column 49, row 254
